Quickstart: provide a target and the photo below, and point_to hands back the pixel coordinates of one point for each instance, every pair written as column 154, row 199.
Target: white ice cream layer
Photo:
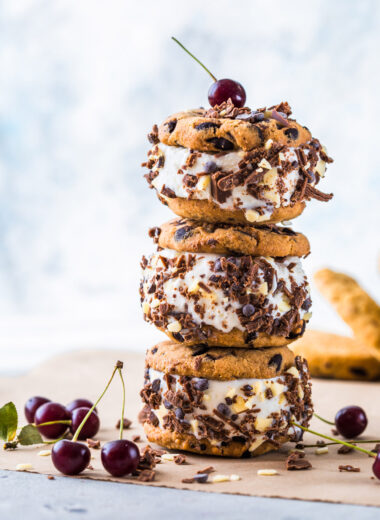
column 280, row 186
column 218, row 391
column 220, row 311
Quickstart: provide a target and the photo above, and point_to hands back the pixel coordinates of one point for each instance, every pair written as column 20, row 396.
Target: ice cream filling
column 256, row 182
column 243, row 410
column 184, row 291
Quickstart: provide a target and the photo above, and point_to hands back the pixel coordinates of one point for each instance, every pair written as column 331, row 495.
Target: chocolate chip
column 178, row 337
column 203, row 447
column 306, row 304
column 154, row 419
column 211, row 167
column 220, row 143
column 358, row 372
column 156, row 385
column 234, row 417
column 251, row 336
column 183, row 233
column 248, row 310
column 171, row 125
column 199, row 350
column 292, row 133
column 167, row 405
column 201, row 478
column 206, row 125
column 201, row 384
column 276, row 361
column 152, row 288
column 217, row 265
column 154, row 350
column 179, row 413
column 223, row 409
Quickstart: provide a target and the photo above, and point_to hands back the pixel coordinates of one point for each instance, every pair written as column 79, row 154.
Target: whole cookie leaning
column 222, row 401
column 353, row 305
column 338, row 357
column 230, row 165
column 199, row 237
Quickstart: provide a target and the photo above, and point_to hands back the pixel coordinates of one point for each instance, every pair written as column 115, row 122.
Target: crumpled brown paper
column 85, row 373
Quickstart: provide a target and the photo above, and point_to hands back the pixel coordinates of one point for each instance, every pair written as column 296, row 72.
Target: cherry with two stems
column 72, row 457
column 120, row 457
column 222, row 89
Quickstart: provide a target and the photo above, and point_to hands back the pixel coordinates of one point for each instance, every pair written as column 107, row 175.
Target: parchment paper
column 85, row 373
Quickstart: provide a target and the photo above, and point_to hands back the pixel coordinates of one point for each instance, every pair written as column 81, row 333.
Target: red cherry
column 32, row 405
column 120, row 457
column 70, row 458
column 79, row 403
column 351, row 421
column 223, row 89
column 51, row 412
column 376, row 466
column 90, row 427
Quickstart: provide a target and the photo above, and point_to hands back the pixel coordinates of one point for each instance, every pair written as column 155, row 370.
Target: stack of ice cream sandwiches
column 226, row 282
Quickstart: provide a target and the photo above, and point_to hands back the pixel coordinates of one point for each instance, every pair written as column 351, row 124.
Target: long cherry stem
column 322, row 419
column 370, row 453
column 194, row 58
column 332, row 443
column 118, row 365
column 122, row 406
column 49, row 423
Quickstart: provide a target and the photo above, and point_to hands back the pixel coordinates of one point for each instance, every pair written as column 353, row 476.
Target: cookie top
column 225, row 127
column 219, row 363
column 200, row 237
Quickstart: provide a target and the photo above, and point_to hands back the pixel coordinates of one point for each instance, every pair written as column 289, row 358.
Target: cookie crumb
column 136, row 438
column 208, row 469
column 147, row 475
column 297, row 461
column 180, row 459
column 201, row 478
column 44, row 453
column 50, row 477
column 93, row 444
column 345, row 449
column 349, row 468
column 126, row 423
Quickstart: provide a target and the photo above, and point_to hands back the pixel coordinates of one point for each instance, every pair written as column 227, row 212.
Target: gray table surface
column 37, row 498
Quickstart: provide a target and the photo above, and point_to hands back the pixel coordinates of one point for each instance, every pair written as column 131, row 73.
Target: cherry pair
column 52, row 419
column 120, row 457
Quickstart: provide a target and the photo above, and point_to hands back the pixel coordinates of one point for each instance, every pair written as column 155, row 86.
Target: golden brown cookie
column 195, row 129
column 353, row 305
column 219, row 363
column 196, row 399
column 209, row 211
column 200, row 237
column 229, row 301
column 337, row 357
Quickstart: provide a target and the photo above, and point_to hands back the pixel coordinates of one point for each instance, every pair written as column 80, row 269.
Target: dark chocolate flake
column 220, row 143
column 276, row 361
column 291, row 133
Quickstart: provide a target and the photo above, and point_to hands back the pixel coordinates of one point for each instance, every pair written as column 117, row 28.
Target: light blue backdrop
column 81, row 84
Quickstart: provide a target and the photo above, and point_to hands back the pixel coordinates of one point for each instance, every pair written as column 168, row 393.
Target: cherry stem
column 56, row 440
column 332, row 443
column 194, row 58
column 123, row 405
column 322, row 419
column 338, row 441
column 49, row 423
column 76, row 435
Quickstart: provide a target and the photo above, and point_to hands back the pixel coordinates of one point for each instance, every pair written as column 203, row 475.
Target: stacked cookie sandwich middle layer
column 225, row 284
column 229, row 298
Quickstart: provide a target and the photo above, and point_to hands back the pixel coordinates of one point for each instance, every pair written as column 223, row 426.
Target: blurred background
column 81, row 84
